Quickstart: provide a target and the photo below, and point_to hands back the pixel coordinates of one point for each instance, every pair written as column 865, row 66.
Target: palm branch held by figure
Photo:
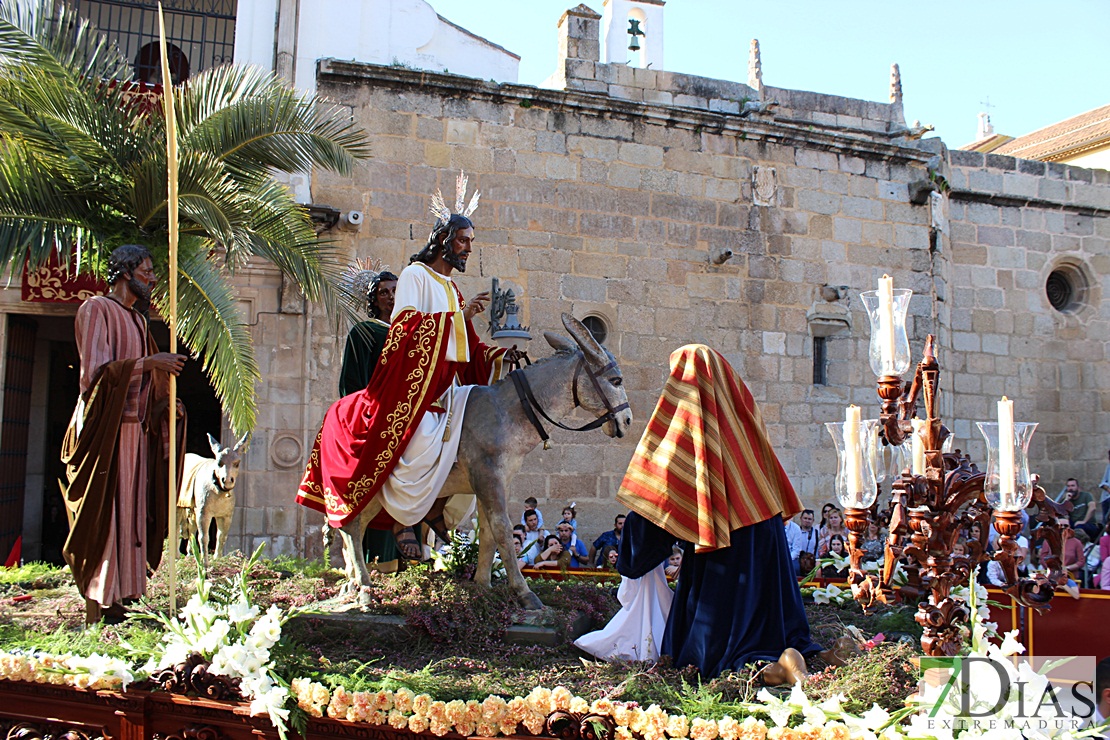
column 83, row 170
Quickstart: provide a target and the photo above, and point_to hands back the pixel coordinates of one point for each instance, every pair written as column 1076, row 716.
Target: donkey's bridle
column 530, row 405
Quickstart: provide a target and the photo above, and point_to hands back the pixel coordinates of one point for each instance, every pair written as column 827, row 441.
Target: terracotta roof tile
column 1060, row 139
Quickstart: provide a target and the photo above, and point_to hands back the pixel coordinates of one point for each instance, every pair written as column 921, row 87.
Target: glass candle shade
column 888, row 461
column 889, row 351
column 949, row 444
column 999, row 496
column 855, row 464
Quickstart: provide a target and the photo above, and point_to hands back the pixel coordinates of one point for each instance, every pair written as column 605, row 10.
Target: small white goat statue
column 208, row 492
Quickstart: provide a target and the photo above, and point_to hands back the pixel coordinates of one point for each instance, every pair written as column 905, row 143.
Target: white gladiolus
column 241, row 611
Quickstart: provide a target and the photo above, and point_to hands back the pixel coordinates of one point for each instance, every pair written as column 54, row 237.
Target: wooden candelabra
column 927, row 513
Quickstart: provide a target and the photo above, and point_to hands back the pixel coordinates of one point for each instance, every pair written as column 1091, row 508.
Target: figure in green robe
column 360, row 357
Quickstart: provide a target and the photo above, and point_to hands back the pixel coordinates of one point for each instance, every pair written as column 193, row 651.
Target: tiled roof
column 989, row 144
column 1072, row 136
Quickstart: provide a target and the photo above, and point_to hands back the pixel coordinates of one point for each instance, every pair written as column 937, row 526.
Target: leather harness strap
column 531, row 405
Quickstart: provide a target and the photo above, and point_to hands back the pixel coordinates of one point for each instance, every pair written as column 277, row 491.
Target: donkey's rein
column 530, row 405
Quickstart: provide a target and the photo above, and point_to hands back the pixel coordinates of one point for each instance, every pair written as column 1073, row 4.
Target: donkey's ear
column 582, row 336
column 559, row 342
column 214, row 444
column 243, row 442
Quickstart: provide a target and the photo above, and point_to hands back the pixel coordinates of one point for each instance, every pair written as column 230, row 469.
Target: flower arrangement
column 224, row 628
column 831, row 594
column 220, row 624
column 92, row 672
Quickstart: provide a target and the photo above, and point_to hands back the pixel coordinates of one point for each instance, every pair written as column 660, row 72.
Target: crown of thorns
column 439, row 207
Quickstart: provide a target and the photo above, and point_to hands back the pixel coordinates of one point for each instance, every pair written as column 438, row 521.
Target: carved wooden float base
column 31, row 711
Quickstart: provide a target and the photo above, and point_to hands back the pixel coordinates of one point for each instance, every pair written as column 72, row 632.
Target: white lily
column 875, row 718
column 775, row 708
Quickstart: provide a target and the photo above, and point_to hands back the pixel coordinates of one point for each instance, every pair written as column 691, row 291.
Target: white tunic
column 636, row 631
column 423, row 467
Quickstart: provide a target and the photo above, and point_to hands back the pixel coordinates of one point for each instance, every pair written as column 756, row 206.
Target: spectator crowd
column 1086, row 540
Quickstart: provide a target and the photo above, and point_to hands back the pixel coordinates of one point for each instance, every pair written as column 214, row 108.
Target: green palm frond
column 209, row 323
column 38, row 209
column 254, row 121
column 63, row 44
column 83, row 165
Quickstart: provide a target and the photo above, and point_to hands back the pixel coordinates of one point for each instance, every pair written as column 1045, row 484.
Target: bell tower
column 633, row 32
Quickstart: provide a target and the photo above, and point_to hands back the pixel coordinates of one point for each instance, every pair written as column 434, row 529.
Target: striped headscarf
column 704, row 466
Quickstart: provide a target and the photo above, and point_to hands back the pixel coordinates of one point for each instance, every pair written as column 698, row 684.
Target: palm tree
column 83, row 170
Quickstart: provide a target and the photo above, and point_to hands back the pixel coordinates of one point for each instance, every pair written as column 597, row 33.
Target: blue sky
column 1038, row 62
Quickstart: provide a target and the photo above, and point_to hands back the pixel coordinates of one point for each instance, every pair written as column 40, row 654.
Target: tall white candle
column 1006, row 448
column 851, row 450
column 886, row 321
column 917, row 446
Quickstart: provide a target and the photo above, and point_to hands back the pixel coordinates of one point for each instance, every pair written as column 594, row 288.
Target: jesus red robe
column 365, row 433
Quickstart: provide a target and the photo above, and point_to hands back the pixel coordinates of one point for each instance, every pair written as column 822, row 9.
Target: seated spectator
column 995, row 575
column 548, row 557
column 1083, row 507
column 674, row 562
column 825, row 515
column 570, row 516
column 612, row 538
column 836, row 548
column 834, row 526
column 530, row 504
column 1090, row 557
column 1104, row 497
column 1104, row 544
column 975, row 534
column 1073, row 551
column 793, row 542
column 608, row 558
column 532, row 528
column 874, row 544
column 524, row 558
column 1100, row 580
column 579, row 554
column 959, row 550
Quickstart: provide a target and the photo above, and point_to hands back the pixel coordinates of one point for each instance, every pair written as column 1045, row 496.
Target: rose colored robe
column 109, row 333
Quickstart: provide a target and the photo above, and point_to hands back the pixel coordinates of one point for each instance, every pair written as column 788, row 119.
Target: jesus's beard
column 455, row 260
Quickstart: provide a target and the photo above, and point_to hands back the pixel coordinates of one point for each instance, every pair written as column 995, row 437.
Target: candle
column 1006, row 449
column 852, row 473
column 918, row 446
column 886, row 322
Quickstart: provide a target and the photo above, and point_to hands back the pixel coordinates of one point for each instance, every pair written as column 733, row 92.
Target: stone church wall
column 622, row 205
column 592, row 213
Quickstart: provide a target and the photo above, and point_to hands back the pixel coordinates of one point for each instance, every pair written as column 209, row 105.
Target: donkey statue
column 208, row 492
column 500, row 427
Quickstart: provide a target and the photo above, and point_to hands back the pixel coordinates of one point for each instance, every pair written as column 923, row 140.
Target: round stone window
column 597, row 327
column 1066, row 288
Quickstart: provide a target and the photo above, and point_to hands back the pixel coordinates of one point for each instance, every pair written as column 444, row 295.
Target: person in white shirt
column 802, row 537
column 997, row 576
column 532, row 528
column 792, row 531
